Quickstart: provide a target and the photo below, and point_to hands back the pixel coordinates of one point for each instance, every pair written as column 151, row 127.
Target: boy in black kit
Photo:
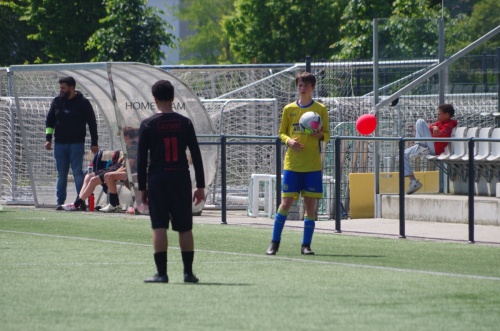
column 166, row 135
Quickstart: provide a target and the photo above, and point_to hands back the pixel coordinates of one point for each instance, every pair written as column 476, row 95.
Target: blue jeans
column 421, row 131
column 66, row 155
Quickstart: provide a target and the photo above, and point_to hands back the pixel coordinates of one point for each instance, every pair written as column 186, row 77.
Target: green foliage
column 267, row 31
column 485, row 17
column 15, row 46
column 63, row 28
column 407, row 29
column 131, row 31
column 208, row 42
column 356, row 28
column 465, row 29
column 238, row 31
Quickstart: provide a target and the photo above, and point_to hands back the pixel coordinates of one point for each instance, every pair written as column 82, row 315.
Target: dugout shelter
column 121, row 96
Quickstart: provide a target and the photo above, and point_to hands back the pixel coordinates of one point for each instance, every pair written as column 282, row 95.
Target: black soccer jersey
column 167, row 136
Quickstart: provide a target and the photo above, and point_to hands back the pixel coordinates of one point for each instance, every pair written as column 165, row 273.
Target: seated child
column 92, row 180
column 441, row 128
column 131, row 136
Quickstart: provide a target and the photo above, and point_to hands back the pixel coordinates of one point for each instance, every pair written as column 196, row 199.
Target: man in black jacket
column 68, row 116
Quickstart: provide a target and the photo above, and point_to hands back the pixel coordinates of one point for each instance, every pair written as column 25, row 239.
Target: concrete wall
column 443, row 208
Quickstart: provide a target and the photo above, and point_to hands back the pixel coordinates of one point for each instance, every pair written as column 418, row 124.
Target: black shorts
column 101, row 172
column 170, row 199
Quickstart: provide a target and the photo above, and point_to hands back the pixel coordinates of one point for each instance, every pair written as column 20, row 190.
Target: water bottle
column 91, row 202
column 90, row 169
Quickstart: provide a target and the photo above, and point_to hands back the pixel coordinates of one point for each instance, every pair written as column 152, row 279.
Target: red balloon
column 366, row 124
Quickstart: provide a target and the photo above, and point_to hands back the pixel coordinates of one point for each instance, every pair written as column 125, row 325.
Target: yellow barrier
column 362, row 187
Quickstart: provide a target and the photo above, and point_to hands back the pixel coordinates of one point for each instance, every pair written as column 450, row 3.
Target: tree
column 485, row 17
column 208, row 42
column 267, row 31
column 63, row 27
column 407, row 28
column 356, row 28
column 131, row 31
column 15, row 46
column 412, row 30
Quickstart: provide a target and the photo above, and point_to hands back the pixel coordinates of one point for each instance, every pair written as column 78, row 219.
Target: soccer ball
column 310, row 122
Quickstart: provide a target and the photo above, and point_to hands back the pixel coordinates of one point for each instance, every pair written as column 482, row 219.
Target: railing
column 274, row 140
column 223, row 142
column 401, row 144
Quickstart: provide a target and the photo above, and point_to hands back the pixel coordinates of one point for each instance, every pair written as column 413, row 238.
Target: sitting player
column 110, row 178
column 442, row 128
column 92, row 180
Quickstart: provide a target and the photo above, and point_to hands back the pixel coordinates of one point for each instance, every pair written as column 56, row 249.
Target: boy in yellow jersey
column 302, row 174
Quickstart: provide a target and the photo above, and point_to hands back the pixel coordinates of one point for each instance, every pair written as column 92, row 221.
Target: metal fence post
column 471, row 190
column 278, row 172
column 401, row 145
column 338, row 179
column 223, row 179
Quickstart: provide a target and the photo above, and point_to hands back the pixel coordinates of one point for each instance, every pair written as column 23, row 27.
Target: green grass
column 75, row 271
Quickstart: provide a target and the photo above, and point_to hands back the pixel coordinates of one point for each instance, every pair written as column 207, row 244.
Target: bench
column 454, row 161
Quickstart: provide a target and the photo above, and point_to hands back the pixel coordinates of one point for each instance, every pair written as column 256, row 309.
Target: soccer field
column 85, row 271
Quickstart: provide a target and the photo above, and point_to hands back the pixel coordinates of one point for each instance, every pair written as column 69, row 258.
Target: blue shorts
column 309, row 184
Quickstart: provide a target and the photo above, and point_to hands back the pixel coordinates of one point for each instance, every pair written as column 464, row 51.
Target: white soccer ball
column 310, row 122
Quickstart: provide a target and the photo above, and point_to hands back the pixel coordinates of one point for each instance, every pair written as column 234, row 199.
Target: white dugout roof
column 122, row 91
column 121, row 95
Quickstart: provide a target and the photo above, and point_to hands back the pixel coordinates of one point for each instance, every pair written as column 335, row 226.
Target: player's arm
column 326, row 126
column 142, row 158
column 445, row 130
column 92, row 123
column 199, row 174
column 284, row 128
column 194, row 150
column 50, row 123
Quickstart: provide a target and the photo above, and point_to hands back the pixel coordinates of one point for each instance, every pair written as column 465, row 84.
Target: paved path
column 377, row 227
column 374, row 227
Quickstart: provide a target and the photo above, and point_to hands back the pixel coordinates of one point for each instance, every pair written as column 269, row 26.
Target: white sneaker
column 415, row 185
column 421, row 151
column 69, row 207
column 110, row 208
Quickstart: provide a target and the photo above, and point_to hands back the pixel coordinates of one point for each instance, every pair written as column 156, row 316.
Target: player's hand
column 94, row 149
column 144, row 197
column 48, row 145
column 294, row 144
column 318, row 134
column 435, row 130
column 199, row 196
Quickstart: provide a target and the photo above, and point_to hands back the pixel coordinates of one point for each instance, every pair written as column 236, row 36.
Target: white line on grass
column 281, row 258
column 71, row 264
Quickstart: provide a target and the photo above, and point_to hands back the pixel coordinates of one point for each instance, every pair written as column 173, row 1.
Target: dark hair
column 163, row 90
column 306, row 77
column 130, row 132
column 447, row 109
column 70, row 81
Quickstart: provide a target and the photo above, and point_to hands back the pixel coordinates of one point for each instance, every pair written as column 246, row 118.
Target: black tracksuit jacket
column 69, row 117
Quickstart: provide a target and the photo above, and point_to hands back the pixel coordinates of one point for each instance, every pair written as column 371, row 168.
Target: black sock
column 187, row 260
column 113, row 199
column 78, row 202
column 161, row 263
